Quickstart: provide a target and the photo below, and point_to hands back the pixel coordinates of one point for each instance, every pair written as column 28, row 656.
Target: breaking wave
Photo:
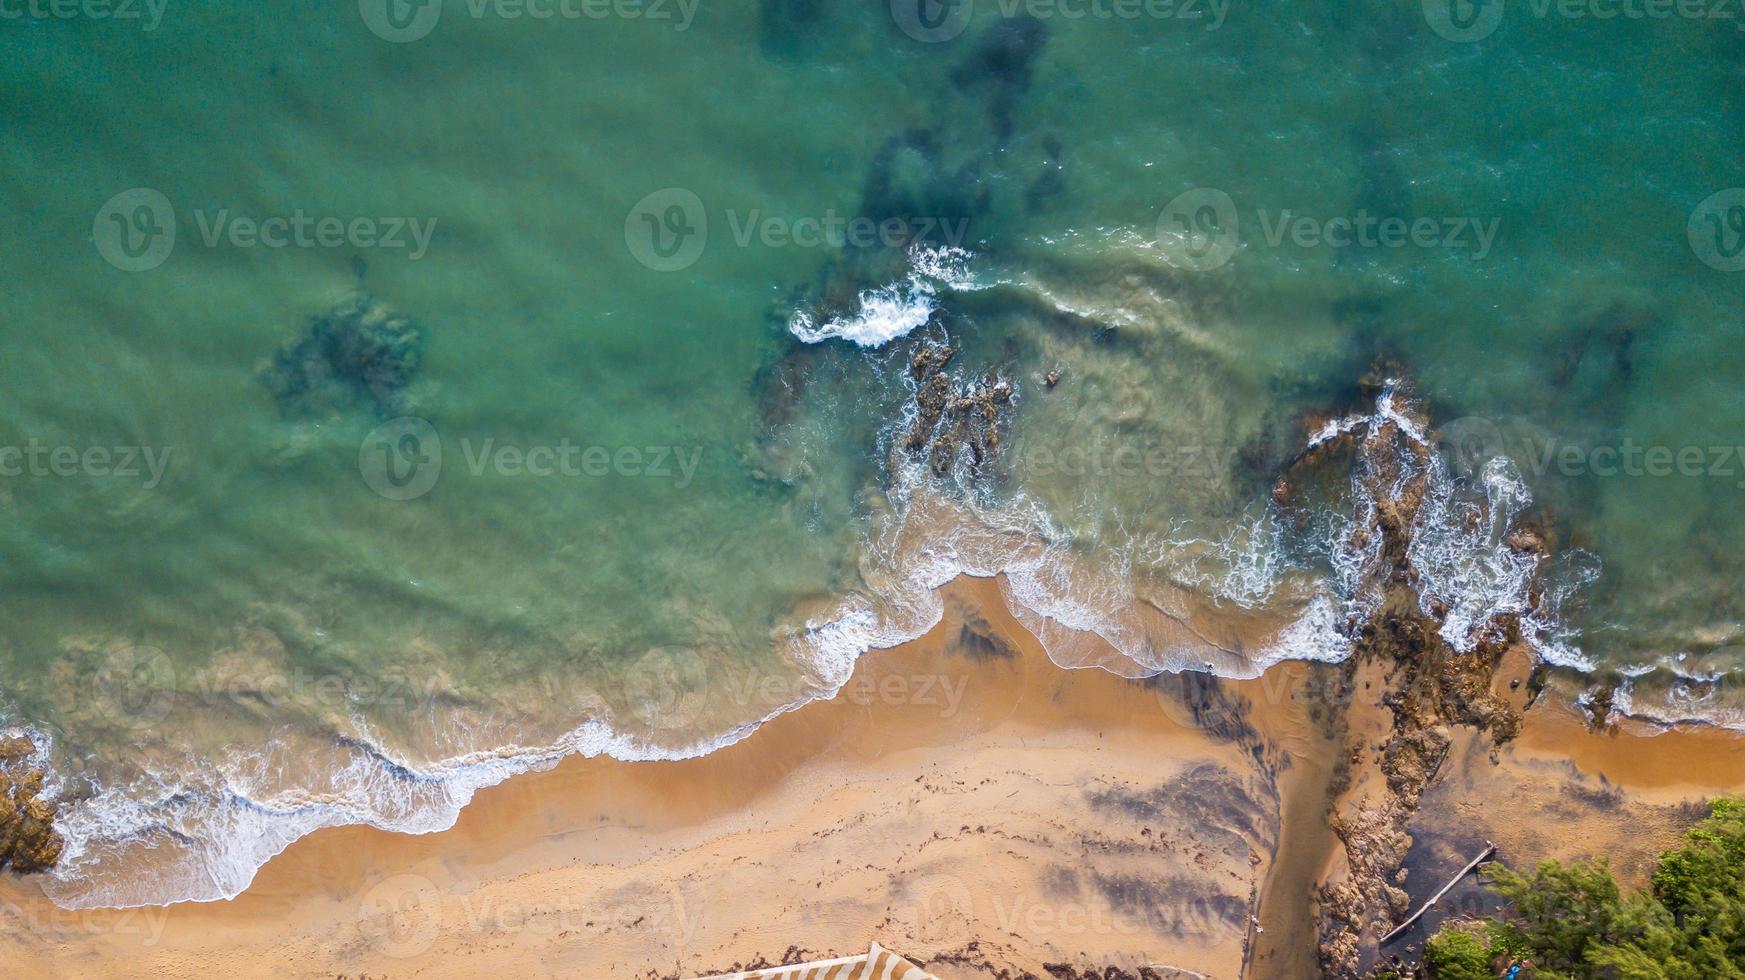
column 895, row 309
column 161, row 840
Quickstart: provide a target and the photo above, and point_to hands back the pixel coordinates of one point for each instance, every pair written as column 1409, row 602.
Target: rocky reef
column 956, row 418
column 1419, row 686
column 28, row 840
column 361, row 350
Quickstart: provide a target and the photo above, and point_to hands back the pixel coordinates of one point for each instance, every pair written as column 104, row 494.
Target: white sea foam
column 204, row 836
column 1246, row 565
column 896, row 309
column 1462, row 560
column 1318, row 634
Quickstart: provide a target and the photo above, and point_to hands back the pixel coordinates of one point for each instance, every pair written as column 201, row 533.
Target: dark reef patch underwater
column 359, row 351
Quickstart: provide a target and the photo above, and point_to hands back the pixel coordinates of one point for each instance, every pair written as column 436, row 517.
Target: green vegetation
column 1453, row 954
column 1572, row 922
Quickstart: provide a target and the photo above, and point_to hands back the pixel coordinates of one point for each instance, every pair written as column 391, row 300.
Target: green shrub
column 1452, row 954
column 1574, row 923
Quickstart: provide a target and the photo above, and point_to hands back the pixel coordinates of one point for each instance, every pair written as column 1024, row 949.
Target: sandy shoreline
column 964, row 802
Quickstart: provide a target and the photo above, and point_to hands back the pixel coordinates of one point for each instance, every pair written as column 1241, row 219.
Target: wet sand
column 963, row 802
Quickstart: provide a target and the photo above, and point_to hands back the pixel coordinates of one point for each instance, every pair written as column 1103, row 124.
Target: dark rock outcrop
column 361, row 350
column 954, row 416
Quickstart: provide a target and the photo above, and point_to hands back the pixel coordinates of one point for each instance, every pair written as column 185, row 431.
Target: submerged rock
column 28, row 839
column 1002, row 62
column 361, row 349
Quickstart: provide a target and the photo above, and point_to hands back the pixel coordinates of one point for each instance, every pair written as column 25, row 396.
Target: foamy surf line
column 243, row 833
column 231, row 834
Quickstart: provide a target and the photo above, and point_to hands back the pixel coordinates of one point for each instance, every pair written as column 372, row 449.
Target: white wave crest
column 895, row 309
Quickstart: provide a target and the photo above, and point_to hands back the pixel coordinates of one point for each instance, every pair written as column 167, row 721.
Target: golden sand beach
column 963, row 802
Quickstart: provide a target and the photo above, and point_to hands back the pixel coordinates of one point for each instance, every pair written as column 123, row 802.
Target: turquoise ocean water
column 395, row 397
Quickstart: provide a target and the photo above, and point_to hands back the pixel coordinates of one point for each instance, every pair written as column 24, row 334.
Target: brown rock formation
column 953, row 413
column 1397, row 735
column 28, row 840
